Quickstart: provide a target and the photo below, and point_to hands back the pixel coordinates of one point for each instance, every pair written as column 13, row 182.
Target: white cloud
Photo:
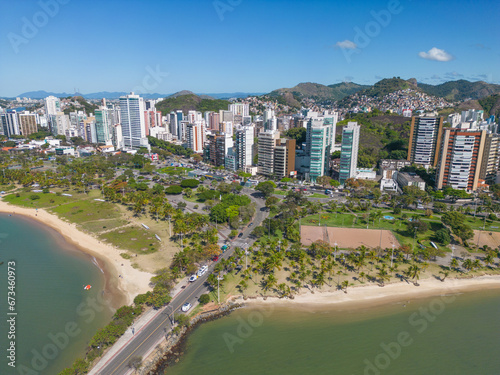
column 436, row 54
column 346, row 44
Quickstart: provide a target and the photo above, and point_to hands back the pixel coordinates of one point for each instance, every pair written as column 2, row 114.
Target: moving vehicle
column 215, row 258
column 202, row 271
column 240, row 235
column 193, row 278
column 186, row 307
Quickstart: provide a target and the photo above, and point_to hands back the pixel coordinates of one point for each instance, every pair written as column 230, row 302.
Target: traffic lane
column 152, row 333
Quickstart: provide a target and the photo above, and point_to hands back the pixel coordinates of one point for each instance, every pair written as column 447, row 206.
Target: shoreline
column 372, row 295
column 107, row 257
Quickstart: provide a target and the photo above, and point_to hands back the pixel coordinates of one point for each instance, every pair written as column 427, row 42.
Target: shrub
column 190, row 183
column 204, row 299
column 173, row 189
column 46, row 190
column 18, row 195
column 34, row 197
column 397, row 210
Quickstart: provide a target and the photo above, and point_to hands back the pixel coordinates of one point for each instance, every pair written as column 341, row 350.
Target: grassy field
column 396, row 226
column 175, row 171
column 97, row 226
column 87, row 210
column 134, row 239
column 45, row 200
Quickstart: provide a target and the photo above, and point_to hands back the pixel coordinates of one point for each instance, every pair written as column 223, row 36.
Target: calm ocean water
column 453, row 335
column 55, row 317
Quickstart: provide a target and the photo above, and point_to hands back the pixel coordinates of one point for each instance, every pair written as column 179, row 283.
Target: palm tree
column 345, row 284
column 414, row 272
column 362, row 275
column 383, row 276
column 467, row 264
column 445, row 274
column 454, row 263
column 488, row 260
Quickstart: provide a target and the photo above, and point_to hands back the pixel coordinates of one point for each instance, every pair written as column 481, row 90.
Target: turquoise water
column 456, row 335
column 55, row 317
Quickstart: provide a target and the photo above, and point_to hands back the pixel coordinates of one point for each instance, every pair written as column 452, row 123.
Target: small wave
column 94, row 260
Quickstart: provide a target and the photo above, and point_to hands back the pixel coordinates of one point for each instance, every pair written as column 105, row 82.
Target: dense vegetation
column 170, row 147
column 87, row 107
column 191, row 102
column 460, row 90
column 382, row 136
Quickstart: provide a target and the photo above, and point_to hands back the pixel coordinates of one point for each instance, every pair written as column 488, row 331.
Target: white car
column 186, row 307
column 193, row 278
column 202, row 271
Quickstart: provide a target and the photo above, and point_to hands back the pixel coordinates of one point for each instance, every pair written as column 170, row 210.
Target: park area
column 377, row 220
column 348, row 238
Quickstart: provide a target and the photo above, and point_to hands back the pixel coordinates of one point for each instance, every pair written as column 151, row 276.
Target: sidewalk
column 142, row 321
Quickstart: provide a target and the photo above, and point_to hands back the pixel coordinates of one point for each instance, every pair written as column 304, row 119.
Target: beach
column 122, row 280
column 374, row 295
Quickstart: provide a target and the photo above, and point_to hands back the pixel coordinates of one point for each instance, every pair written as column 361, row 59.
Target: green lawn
column 7, row 187
column 317, row 195
column 102, row 225
column 175, row 171
column 87, row 210
column 46, row 200
column 134, row 239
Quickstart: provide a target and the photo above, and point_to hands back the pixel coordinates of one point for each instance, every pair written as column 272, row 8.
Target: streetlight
column 246, row 253
column 392, row 253
column 336, row 248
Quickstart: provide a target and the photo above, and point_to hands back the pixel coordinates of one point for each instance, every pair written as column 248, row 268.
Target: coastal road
column 153, row 332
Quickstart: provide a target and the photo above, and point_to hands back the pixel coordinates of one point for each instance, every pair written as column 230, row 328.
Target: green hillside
column 491, row 105
column 382, row 136
column 318, row 91
column 387, row 86
column 461, row 89
column 89, row 108
column 191, row 102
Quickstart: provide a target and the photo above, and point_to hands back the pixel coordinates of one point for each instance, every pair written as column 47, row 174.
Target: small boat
column 145, row 226
column 157, row 237
column 87, row 287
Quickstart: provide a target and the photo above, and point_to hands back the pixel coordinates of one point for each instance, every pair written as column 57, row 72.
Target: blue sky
column 241, row 45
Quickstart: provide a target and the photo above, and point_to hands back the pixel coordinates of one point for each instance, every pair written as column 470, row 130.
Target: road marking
column 159, row 326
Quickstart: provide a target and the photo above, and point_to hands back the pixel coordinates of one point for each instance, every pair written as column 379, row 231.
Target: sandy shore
column 372, row 295
column 123, row 288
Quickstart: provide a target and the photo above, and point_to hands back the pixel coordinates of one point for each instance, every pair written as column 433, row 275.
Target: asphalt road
column 155, row 330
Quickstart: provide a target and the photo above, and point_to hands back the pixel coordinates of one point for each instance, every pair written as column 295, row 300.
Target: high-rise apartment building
column 284, row 157
column 349, row 151
column 10, row 123
column 240, row 109
column 320, row 135
column 195, row 136
column 425, row 139
column 491, row 158
column 213, row 121
column 27, row 123
column 460, row 159
column 132, row 120
column 103, row 126
column 266, row 145
column 52, row 105
column 244, row 147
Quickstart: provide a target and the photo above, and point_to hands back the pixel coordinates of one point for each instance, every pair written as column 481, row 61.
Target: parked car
column 186, row 307
column 215, row 258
